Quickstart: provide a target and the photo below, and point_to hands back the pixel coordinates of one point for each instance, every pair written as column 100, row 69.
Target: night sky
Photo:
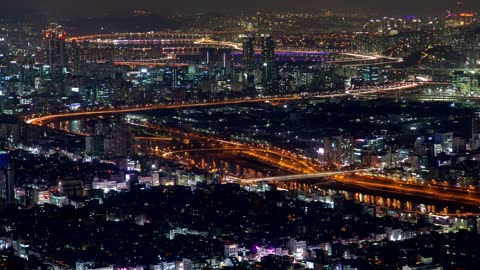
column 165, row 7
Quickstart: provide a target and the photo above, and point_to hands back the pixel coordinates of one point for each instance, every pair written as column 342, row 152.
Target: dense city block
column 239, row 135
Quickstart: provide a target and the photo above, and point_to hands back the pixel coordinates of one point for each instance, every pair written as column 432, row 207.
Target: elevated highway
column 271, row 157
column 463, row 196
column 40, row 120
column 300, row 176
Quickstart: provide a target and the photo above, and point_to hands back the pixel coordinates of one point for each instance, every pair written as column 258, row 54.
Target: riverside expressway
column 41, row 119
column 299, row 167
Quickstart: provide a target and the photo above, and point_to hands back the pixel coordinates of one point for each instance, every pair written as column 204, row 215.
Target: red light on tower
column 62, row 35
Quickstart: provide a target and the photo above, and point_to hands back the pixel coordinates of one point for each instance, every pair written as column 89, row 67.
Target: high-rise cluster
column 264, row 67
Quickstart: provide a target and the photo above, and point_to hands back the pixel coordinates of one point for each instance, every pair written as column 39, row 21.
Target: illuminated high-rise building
column 120, row 143
column 225, row 60
column 56, row 52
column 75, row 58
column 218, row 61
column 337, row 150
column 248, row 57
column 268, row 61
column 7, row 184
column 370, row 74
column 207, row 56
column 475, row 140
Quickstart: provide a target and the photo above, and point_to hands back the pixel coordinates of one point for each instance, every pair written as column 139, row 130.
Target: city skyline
column 164, row 7
column 239, row 135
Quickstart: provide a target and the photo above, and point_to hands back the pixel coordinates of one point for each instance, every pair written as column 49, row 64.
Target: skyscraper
column 337, row 150
column 475, row 140
column 120, row 142
column 218, row 61
column 207, row 56
column 55, row 50
column 248, row 57
column 225, row 60
column 75, row 58
column 7, row 184
column 268, row 61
